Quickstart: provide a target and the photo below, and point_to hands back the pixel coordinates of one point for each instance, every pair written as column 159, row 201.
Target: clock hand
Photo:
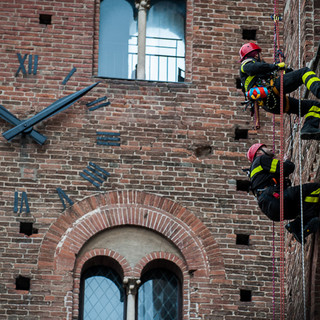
column 9, row 117
column 48, row 112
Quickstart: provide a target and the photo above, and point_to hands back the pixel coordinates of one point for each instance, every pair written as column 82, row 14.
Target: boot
column 294, row 227
column 311, row 226
column 310, row 130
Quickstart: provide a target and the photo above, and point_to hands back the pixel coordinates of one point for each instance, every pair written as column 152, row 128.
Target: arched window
column 159, row 296
column 158, row 34
column 102, row 294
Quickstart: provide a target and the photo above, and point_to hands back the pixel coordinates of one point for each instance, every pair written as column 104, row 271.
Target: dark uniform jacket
column 265, row 172
column 254, row 73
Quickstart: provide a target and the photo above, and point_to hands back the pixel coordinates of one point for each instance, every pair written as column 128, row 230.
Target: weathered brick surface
column 309, row 155
column 156, row 170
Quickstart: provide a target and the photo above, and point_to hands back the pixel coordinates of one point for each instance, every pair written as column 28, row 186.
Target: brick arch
column 86, row 218
column 125, row 266
column 159, row 256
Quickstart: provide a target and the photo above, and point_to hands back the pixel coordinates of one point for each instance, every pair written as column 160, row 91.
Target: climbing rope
column 278, row 53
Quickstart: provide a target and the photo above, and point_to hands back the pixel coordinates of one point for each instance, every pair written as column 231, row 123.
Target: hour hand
column 53, row 109
column 9, row 117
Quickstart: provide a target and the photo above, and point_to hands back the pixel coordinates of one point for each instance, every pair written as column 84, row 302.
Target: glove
column 281, row 66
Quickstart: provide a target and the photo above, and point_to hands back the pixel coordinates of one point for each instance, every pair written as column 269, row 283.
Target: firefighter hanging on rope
column 261, row 86
column 264, row 175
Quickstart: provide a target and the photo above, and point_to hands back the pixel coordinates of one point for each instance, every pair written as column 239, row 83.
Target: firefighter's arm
column 252, row 67
column 273, row 166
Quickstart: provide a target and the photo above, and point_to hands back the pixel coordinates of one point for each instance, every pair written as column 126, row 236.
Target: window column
column 131, row 286
column 142, row 6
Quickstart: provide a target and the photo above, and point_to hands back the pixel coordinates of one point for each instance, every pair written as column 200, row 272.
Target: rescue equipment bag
column 257, row 93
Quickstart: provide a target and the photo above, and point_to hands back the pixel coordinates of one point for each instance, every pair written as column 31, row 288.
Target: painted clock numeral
column 94, row 105
column 67, row 78
column 108, row 138
column 62, row 195
column 32, row 64
column 24, row 205
column 95, row 174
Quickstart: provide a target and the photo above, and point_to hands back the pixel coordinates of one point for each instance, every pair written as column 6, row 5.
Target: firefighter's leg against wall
column 311, row 110
column 310, row 196
column 293, row 80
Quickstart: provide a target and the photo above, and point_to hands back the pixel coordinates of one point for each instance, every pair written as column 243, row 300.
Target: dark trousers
column 291, row 82
column 269, row 202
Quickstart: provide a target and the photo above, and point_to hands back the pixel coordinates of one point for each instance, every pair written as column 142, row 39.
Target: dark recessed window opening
column 240, row 134
column 27, row 228
column 242, row 239
column 249, row 34
column 45, row 18
column 238, row 83
column 243, row 185
column 22, row 283
column 245, row 295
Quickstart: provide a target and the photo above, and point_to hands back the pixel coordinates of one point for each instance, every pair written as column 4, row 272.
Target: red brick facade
column 176, row 172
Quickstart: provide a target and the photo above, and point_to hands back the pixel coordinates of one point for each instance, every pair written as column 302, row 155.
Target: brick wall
column 309, row 40
column 178, row 147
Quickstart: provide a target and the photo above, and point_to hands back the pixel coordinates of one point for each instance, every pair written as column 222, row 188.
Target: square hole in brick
column 238, row 83
column 245, row 295
column 45, row 19
column 249, row 34
column 243, row 239
column 22, row 283
column 240, row 134
column 27, row 228
column 243, row 185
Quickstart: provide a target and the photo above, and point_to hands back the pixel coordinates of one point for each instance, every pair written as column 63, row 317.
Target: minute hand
column 51, row 110
column 9, row 117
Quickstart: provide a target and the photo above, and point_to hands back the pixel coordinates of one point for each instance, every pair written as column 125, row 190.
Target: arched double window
column 142, row 39
column 103, row 295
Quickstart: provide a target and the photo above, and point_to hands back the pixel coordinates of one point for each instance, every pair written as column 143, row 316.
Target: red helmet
column 253, row 150
column 247, row 48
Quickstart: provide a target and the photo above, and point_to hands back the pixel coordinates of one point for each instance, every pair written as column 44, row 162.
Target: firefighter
column 264, row 176
column 259, row 82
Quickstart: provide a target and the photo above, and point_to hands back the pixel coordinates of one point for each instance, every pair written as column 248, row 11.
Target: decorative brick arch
column 159, row 256
column 86, row 218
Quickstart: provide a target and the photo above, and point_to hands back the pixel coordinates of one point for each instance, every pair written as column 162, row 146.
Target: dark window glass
column 102, row 295
column 159, row 296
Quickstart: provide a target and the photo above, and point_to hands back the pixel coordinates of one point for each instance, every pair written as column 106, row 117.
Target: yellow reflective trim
column 312, row 114
column 311, row 199
column 255, row 170
column 316, row 191
column 314, row 108
column 314, row 199
column 274, row 163
column 311, row 81
column 247, row 82
column 306, row 75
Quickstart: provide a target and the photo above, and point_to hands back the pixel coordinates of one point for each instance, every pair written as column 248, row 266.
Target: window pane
column 103, row 296
column 117, row 27
column 158, row 296
column 165, row 43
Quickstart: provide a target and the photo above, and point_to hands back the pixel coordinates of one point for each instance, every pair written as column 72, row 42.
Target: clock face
column 57, row 142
